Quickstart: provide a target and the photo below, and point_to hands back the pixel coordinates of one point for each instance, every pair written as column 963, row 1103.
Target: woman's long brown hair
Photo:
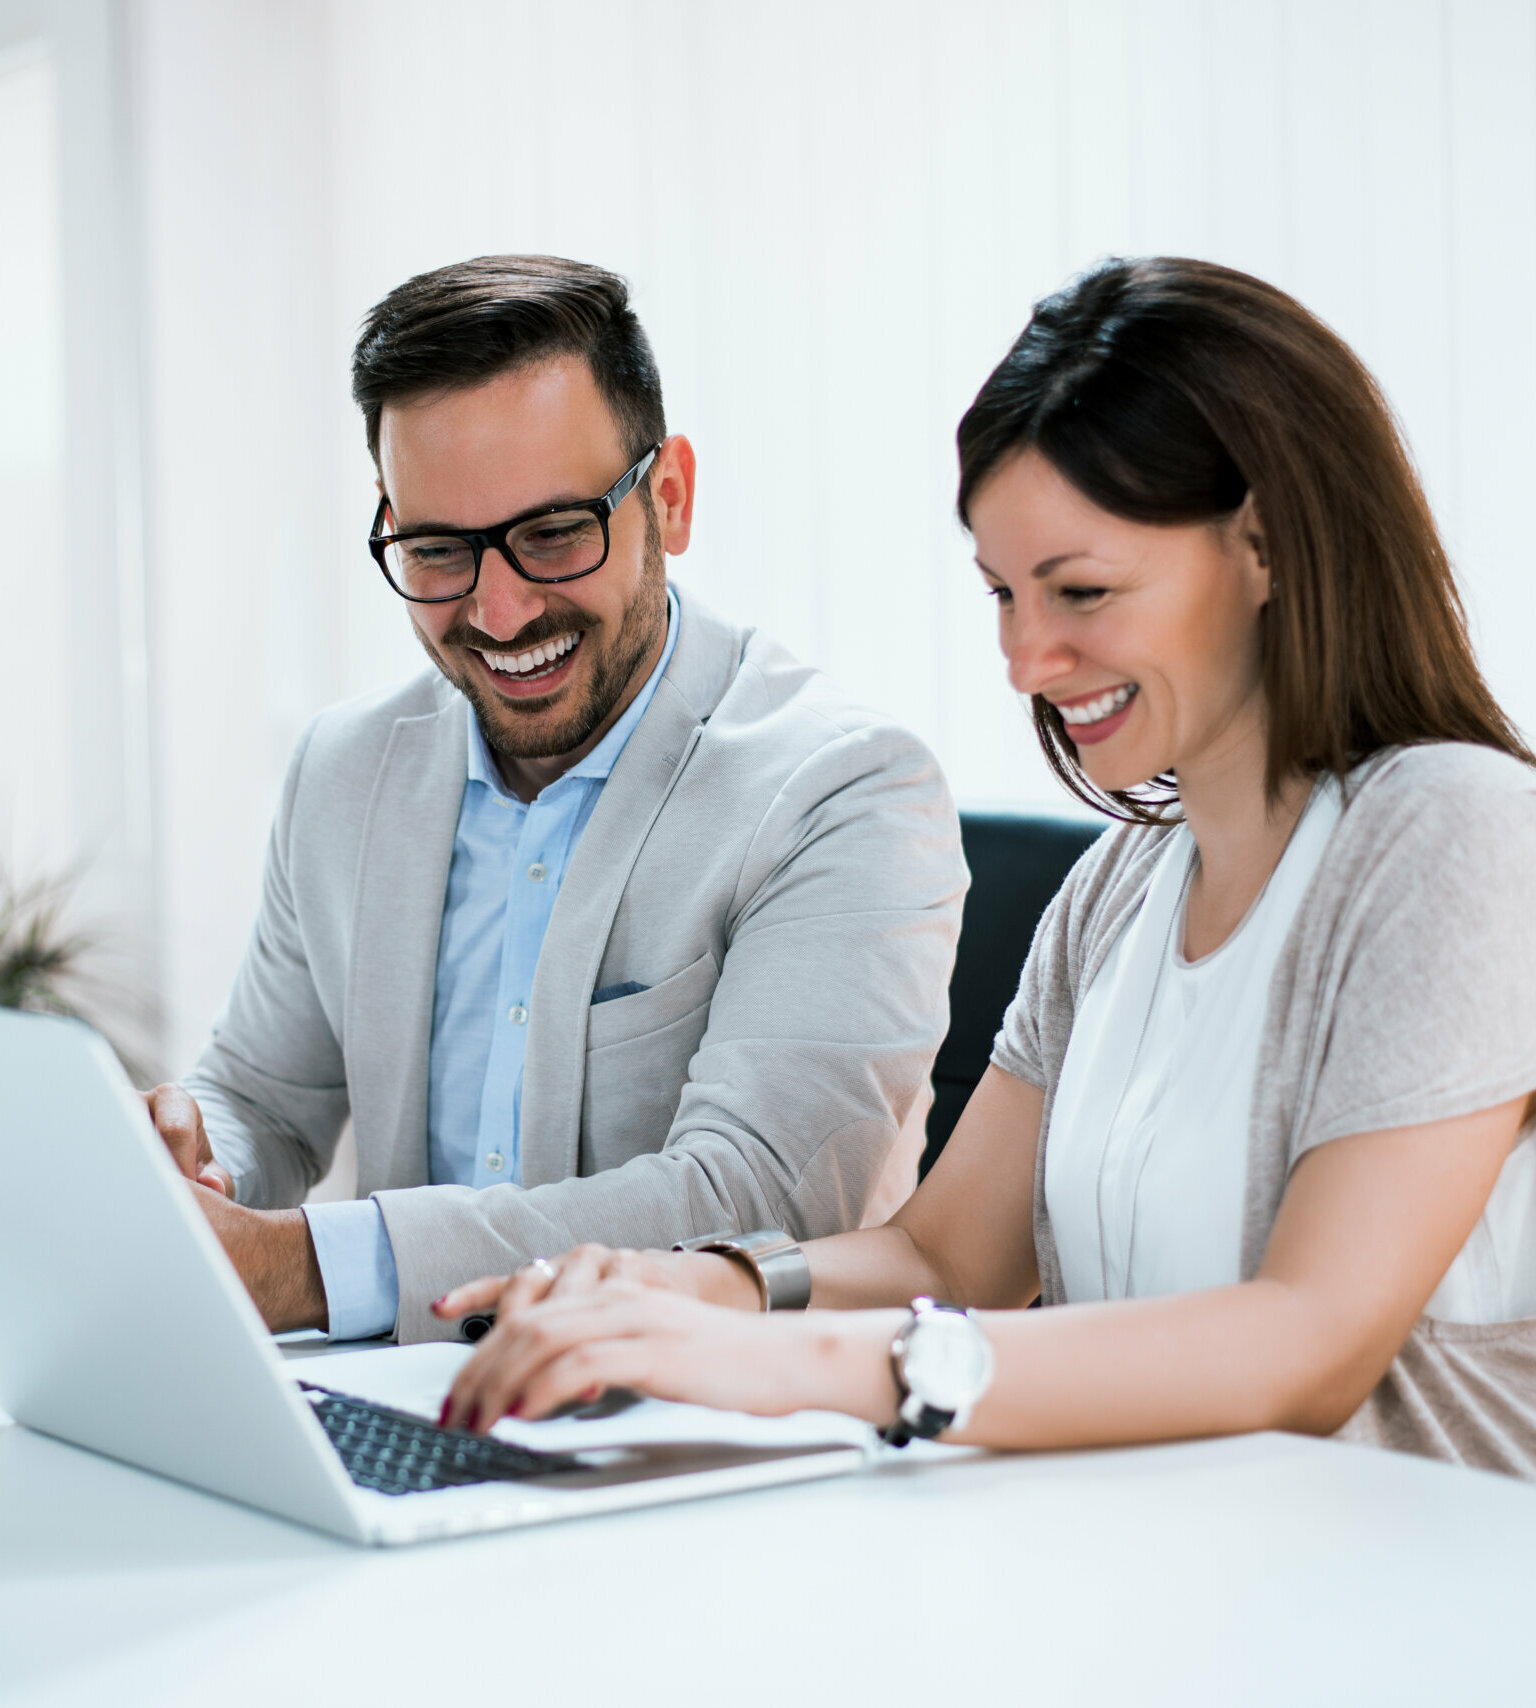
column 1167, row 391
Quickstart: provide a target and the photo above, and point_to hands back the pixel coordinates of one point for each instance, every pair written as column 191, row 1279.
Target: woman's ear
column 1248, row 530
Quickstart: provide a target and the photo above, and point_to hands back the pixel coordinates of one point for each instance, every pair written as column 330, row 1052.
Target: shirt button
column 495, row 1162
column 537, row 873
column 518, row 1015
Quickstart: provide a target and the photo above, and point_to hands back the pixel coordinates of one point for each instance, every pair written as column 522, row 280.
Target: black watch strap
column 930, row 1422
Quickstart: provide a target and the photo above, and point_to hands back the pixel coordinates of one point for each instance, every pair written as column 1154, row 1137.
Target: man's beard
column 512, row 734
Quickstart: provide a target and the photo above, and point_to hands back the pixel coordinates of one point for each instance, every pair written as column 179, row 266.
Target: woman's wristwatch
column 775, row 1262
column 942, row 1361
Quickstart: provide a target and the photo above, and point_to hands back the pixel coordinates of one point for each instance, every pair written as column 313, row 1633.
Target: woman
column 1257, row 1118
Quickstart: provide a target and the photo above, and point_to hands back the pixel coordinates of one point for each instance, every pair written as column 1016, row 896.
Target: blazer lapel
column 554, row 1069
column 402, row 878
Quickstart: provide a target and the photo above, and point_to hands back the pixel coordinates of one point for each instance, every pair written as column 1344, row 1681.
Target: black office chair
column 1017, row 861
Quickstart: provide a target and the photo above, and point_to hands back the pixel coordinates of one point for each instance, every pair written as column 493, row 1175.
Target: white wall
column 835, row 217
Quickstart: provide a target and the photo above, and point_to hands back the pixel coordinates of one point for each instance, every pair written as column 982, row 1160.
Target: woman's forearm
column 869, row 1267
column 1218, row 1362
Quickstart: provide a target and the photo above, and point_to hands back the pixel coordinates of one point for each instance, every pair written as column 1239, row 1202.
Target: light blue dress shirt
column 509, row 860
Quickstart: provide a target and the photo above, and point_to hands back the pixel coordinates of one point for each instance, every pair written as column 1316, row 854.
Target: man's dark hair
column 464, row 324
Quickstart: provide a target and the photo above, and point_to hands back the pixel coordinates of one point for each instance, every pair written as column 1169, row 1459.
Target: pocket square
column 609, row 991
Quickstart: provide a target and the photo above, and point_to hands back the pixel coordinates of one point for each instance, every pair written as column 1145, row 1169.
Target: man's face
column 464, row 459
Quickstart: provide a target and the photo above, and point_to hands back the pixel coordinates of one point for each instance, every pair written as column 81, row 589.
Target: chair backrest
column 1018, row 862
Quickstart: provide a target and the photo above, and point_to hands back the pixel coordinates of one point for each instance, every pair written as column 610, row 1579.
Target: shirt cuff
column 357, row 1268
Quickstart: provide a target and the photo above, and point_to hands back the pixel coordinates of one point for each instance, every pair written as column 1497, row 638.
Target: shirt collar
column 602, row 759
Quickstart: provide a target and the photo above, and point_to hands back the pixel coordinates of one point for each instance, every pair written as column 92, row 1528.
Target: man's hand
column 179, row 1121
column 275, row 1257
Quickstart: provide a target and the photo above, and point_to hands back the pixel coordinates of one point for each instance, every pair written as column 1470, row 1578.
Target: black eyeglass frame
column 499, row 535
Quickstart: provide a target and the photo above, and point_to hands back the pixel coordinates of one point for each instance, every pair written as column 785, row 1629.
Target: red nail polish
column 472, row 1422
column 515, row 1409
column 589, row 1394
column 442, row 1416
column 437, row 1303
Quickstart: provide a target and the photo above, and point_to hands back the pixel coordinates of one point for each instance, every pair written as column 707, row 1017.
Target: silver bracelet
column 777, row 1264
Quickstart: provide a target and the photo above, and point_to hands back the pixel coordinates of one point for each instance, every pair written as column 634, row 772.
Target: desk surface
column 1265, row 1570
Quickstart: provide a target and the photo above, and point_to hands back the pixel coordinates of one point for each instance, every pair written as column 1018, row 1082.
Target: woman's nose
column 1037, row 654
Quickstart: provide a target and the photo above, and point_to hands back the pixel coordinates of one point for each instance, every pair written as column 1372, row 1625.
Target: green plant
column 50, row 967
column 39, row 958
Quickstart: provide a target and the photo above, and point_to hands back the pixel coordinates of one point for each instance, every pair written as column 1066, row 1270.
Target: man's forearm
column 285, row 1281
column 274, row 1255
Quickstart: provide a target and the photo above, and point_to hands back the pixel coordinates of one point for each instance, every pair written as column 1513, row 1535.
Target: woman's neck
column 1240, row 833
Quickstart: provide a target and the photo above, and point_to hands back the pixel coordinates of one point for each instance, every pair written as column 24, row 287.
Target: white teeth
column 537, row 658
column 1095, row 711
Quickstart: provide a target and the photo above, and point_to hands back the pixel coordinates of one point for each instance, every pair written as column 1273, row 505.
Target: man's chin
column 528, row 729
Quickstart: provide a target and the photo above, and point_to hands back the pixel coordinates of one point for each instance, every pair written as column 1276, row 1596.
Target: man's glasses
column 560, row 543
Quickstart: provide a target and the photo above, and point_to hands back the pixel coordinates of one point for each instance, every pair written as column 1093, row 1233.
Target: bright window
column 35, row 833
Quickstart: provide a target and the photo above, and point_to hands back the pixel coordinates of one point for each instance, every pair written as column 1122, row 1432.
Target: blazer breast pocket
column 644, row 1011
column 638, row 1051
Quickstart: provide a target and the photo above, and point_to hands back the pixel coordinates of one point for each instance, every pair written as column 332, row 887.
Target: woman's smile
column 1092, row 718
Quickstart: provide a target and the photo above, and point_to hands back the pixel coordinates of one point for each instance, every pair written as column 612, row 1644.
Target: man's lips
column 539, row 677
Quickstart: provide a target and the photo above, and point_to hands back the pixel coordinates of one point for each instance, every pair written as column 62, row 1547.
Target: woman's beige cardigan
column 1405, row 994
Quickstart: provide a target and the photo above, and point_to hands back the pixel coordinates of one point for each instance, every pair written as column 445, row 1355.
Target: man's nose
column 503, row 602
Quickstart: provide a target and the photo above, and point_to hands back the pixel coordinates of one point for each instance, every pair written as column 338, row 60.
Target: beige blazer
column 781, row 869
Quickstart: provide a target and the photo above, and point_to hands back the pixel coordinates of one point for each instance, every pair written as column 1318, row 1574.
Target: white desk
column 1238, row 1573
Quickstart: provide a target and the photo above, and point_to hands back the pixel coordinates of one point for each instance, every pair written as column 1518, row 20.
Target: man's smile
column 533, row 672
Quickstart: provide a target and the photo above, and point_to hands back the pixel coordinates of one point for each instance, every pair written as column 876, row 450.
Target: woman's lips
column 1088, row 735
column 1085, row 729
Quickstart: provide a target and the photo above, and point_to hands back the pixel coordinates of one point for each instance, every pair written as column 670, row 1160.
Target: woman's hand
column 695, row 1274
column 624, row 1334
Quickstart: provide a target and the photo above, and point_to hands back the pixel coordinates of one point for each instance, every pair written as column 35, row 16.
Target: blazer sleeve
column 831, row 1004
column 271, row 1082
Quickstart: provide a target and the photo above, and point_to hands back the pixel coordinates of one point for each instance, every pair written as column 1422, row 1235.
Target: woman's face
column 1145, row 638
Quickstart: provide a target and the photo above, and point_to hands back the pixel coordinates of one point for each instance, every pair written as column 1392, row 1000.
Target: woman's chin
column 1108, row 776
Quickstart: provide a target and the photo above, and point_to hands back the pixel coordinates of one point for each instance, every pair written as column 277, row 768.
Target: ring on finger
column 544, row 1267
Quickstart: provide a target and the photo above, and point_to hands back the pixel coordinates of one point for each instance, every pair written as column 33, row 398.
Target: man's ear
column 672, row 477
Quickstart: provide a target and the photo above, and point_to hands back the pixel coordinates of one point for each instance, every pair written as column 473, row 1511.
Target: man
column 621, row 925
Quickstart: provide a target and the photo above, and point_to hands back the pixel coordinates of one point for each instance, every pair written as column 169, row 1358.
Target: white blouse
column 1147, row 1161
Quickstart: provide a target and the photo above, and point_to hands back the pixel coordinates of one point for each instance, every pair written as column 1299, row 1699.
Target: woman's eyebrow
column 1046, row 565
column 1041, row 569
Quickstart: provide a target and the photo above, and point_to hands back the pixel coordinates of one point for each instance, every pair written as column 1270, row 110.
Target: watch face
column 948, row 1361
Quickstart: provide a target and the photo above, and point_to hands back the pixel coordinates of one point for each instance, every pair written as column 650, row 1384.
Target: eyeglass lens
column 547, row 548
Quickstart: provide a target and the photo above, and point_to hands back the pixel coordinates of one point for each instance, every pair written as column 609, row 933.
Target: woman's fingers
column 576, row 1271
column 520, row 1344
column 481, row 1295
column 580, row 1270
column 583, row 1372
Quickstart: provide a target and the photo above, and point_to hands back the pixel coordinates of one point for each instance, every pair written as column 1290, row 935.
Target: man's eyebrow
column 562, row 501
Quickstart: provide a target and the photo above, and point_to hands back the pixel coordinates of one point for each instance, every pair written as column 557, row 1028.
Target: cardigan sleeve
column 1433, row 1011
column 1019, row 1048
column 1074, row 931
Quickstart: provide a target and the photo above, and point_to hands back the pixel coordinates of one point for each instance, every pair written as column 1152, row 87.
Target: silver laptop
column 125, row 1329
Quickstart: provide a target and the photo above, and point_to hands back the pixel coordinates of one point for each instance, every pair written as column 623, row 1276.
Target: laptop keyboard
column 397, row 1454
